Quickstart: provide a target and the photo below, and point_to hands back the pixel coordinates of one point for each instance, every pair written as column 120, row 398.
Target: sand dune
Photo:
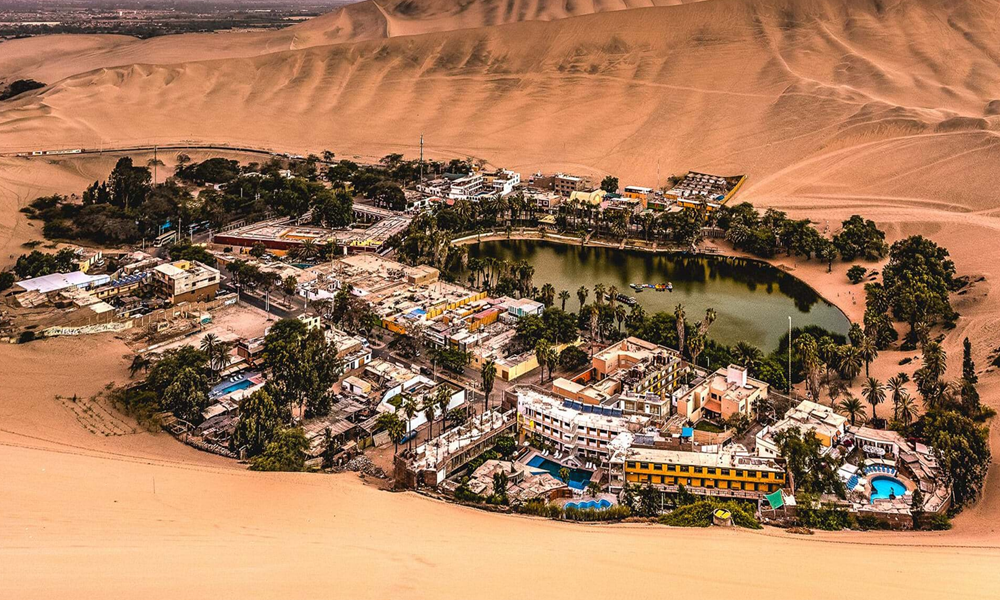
column 833, row 107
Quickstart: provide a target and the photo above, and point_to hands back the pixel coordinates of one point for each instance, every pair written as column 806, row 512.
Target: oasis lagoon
column 753, row 299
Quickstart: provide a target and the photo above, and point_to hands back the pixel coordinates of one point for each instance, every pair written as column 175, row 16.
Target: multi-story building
column 642, row 194
column 723, row 393
column 503, row 181
column 186, row 281
column 721, row 473
column 466, row 187
column 573, row 429
column 564, row 185
column 633, row 375
column 808, row 417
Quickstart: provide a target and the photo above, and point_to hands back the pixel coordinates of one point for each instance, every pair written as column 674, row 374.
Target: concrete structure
column 718, row 473
column 808, row 416
column 503, row 181
column 722, row 394
column 633, row 375
column 186, row 281
column 576, row 431
column 564, row 185
column 466, row 188
column 524, row 307
column 55, row 282
column 523, row 482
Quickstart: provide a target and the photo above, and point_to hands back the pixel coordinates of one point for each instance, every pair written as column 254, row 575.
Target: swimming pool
column 885, row 487
column 578, row 478
column 233, row 387
column 593, row 504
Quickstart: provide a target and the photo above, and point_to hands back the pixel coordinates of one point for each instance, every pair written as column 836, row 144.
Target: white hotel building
column 571, row 428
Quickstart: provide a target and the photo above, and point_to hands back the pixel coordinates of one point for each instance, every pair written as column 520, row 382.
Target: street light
column 789, row 355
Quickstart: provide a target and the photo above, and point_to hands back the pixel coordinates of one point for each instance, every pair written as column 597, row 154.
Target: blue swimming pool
column 578, row 478
column 886, row 487
column 232, row 387
column 594, row 504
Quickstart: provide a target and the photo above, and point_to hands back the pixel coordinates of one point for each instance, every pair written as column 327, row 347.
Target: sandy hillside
column 833, row 107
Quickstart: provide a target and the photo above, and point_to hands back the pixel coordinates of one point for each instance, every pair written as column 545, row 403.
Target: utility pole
column 421, row 158
column 155, row 165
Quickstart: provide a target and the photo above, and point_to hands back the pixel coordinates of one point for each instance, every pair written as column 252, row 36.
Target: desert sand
column 833, row 107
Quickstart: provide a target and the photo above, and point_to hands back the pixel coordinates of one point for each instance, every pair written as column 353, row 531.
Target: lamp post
column 789, row 355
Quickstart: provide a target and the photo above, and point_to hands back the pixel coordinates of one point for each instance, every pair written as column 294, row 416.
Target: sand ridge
column 833, row 107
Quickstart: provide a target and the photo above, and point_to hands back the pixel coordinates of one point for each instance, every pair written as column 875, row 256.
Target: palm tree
column 542, row 349
column 868, row 350
column 443, row 399
column 852, row 408
column 612, row 295
column 599, row 293
column 696, row 345
column 808, row 352
column 410, row 409
column 681, row 326
column 850, row 362
column 748, row 355
column 222, row 356
column 620, row 314
column 563, row 297
column 210, row 346
column 393, row 425
column 548, row 295
column 489, row 375
column 581, row 293
column 897, row 387
column 874, row 393
column 935, row 360
column 430, row 411
column 907, row 410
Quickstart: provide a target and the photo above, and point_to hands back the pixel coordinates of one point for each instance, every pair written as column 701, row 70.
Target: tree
column 917, row 280
column 852, row 408
column 856, row 274
column 860, row 238
column 128, row 185
column 681, row 325
column 581, row 294
column 187, row 396
column 572, row 358
column 850, row 362
column 810, row 469
column 259, row 421
column 874, row 393
column 410, row 410
column 430, row 412
column 748, row 355
column 868, row 350
column 563, row 296
column 303, row 367
column 548, row 295
column 542, row 348
column 285, row 452
column 258, row 249
column 7, row 280
column 963, row 452
column 488, row 373
column 394, row 426
column 969, row 394
column 289, row 285
column 896, row 386
column 388, row 195
column 610, row 184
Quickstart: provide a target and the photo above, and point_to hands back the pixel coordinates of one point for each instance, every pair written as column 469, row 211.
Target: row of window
column 724, row 484
column 634, row 465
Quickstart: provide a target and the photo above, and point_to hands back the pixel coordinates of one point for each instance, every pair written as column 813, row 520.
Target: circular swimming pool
column 887, row 487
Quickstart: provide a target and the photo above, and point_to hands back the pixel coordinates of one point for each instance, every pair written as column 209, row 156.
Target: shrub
column 699, row 514
column 870, row 522
column 25, row 337
column 856, row 273
column 827, row 518
column 937, row 522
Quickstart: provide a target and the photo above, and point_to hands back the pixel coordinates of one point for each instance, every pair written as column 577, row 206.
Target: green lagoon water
column 753, row 300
